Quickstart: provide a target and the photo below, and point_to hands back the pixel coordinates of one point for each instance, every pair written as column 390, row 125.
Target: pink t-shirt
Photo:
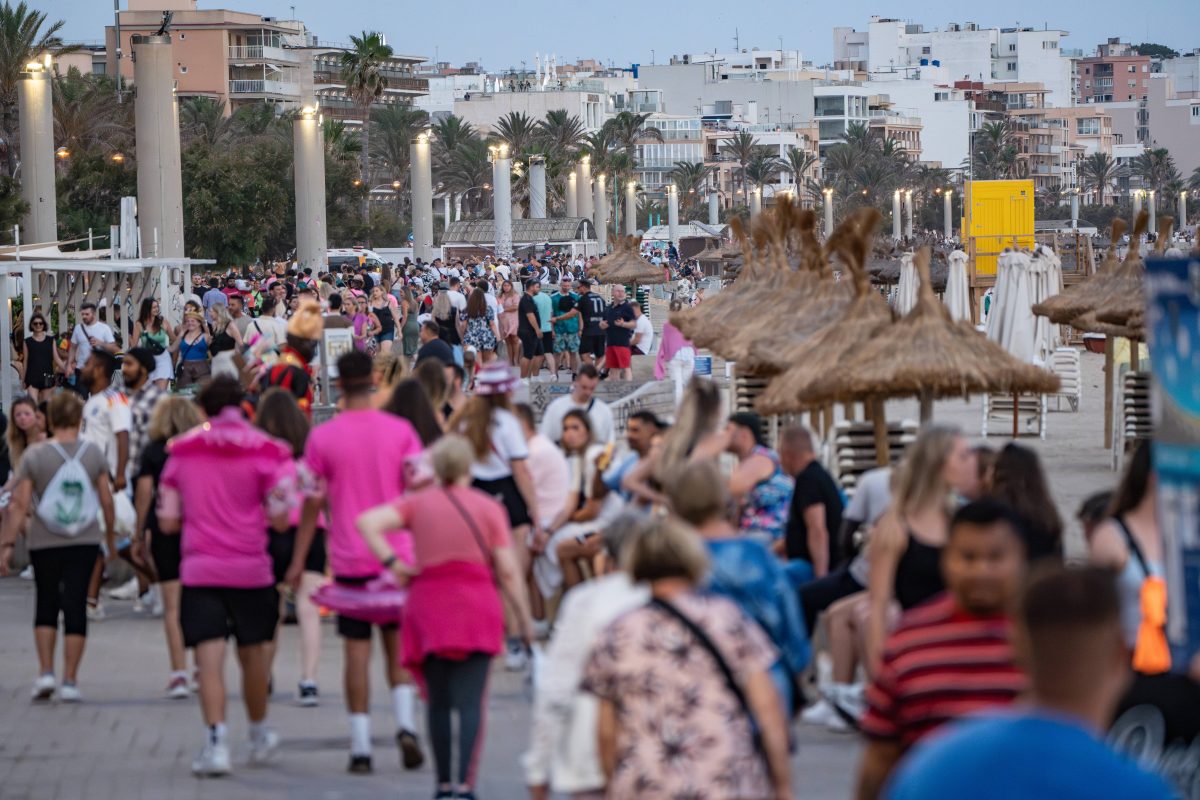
column 222, row 479
column 357, row 460
column 440, row 531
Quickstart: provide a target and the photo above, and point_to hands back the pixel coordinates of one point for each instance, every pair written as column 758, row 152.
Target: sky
column 623, row 32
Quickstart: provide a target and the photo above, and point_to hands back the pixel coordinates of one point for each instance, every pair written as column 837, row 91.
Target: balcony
column 259, row 52
column 244, row 88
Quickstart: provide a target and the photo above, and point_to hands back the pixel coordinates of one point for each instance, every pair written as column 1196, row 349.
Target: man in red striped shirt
column 951, row 656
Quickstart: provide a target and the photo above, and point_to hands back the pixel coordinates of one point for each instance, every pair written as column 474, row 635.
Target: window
column 1012, row 48
column 925, row 51
column 1087, row 126
column 1132, row 84
column 1145, row 67
column 1195, row 112
column 1050, row 45
column 1132, row 68
column 941, row 96
column 1087, row 70
column 1011, row 66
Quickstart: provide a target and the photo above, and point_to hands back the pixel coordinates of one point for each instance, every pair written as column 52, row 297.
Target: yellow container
column 999, row 214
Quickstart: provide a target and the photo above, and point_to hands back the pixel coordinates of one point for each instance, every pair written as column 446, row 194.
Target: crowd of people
column 686, row 592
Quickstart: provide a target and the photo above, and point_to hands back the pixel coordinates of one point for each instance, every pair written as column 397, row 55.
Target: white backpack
column 70, row 503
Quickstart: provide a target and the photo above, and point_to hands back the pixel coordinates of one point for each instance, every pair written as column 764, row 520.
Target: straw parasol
column 625, row 265
column 1121, row 306
column 1112, row 277
column 926, row 354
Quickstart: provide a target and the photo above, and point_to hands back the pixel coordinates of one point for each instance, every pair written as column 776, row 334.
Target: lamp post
column 583, row 186
column 897, row 221
column 421, row 186
column 673, row 213
column 1074, row 210
column 537, row 187
column 600, row 213
column 631, row 207
column 828, row 193
column 1182, row 211
column 908, row 213
column 37, row 152
column 156, row 126
column 502, row 199
column 714, row 208
column 1151, row 205
column 755, row 203
column 1137, row 203
column 948, row 213
column 309, row 144
column 572, row 198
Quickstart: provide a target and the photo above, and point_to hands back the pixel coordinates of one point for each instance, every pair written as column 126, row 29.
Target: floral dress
column 680, row 730
column 479, row 332
column 766, row 508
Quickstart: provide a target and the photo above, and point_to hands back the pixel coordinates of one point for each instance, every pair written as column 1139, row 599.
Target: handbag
column 730, row 681
column 379, row 601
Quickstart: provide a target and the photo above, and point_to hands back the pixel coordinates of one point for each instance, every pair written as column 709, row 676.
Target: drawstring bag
column 379, row 601
column 1151, row 653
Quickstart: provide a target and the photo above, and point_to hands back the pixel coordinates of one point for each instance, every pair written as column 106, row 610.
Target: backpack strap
column 1134, row 548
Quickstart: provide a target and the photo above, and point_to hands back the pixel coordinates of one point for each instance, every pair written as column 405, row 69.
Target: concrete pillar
column 1151, row 206
column 445, row 214
column 1137, row 203
column 755, row 203
column 309, row 142
column 1182, row 213
column 537, row 188
column 420, row 182
column 828, row 212
column 583, row 187
column 908, row 214
column 600, row 212
column 897, row 218
column 502, row 200
column 572, row 196
column 37, row 155
column 948, row 213
column 156, row 126
column 631, row 207
column 1075, row 210
column 714, row 209
column 673, row 213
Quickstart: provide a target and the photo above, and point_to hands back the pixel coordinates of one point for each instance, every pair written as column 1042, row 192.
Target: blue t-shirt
column 545, row 310
column 1020, row 755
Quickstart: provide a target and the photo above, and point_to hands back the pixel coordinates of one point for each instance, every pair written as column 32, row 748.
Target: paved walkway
column 127, row 742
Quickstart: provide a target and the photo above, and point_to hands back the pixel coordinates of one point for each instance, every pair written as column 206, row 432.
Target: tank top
column 918, row 573
column 193, row 351
column 386, row 323
column 768, row 504
column 1129, row 582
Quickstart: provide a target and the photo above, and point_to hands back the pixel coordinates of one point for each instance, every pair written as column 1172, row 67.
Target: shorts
column 165, row 551
column 617, row 357
column 217, row 612
column 592, row 344
column 505, row 490
column 531, row 345
column 566, row 342
column 547, row 342
column 357, row 629
column 281, row 546
column 390, row 336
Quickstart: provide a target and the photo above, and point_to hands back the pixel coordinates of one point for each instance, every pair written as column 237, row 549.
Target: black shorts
column 281, row 546
column 351, row 628
column 165, row 551
column 217, row 612
column 531, row 345
column 592, row 344
column 505, row 490
column 547, row 342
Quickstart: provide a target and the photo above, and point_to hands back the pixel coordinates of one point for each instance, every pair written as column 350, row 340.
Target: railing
column 263, row 87
column 259, row 52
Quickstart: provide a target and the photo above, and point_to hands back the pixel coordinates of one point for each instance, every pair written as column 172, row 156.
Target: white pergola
column 70, row 282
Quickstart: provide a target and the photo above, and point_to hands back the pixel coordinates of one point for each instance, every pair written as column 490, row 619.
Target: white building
column 1185, row 74
column 714, row 89
column 945, row 114
column 967, row 52
column 445, row 89
column 836, row 106
column 484, row 109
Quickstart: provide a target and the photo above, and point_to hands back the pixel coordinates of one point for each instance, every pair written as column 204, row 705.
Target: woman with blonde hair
column 24, row 429
column 172, row 416
column 688, row 663
column 191, row 351
column 226, row 342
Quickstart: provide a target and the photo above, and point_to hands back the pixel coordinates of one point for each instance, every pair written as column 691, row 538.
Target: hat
column 306, row 320
column 242, row 286
column 497, row 379
column 143, row 356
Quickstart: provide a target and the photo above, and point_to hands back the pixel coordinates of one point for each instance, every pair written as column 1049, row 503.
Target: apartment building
column 836, row 106
column 1161, row 119
column 968, row 51
column 588, row 100
column 241, row 58
column 888, row 125
column 1116, row 72
column 943, row 111
column 1184, row 72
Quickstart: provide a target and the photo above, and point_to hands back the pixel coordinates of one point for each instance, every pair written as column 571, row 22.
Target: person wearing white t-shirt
column 643, row 332
column 583, row 397
column 89, row 334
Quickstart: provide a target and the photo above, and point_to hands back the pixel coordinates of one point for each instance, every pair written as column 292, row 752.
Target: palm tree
column 518, row 131
column 362, row 70
column 24, row 37
column 395, row 128
column 85, row 116
column 1098, row 172
column 798, row 162
column 202, row 119
column 764, row 167
column 562, row 133
column 341, row 145
column 690, row 179
column 1155, row 167
column 468, row 169
column 1194, row 181
column 628, row 128
column 742, row 148
column 448, row 133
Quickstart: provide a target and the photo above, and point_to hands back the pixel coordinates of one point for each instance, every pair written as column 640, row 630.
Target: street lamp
column 117, row 158
column 828, row 193
column 62, row 153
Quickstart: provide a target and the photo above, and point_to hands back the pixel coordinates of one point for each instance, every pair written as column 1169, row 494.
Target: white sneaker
column 264, row 746
column 819, row 713
column 848, row 698
column 69, row 693
column 156, row 602
column 27, row 573
column 43, row 687
column 212, row 762
column 95, row 612
column 126, row 591
column 515, row 658
column 177, row 688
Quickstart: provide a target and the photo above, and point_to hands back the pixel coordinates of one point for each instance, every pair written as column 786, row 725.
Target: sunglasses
column 37, row 324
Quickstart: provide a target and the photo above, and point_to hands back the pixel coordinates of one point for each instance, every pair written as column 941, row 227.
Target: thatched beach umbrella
column 625, row 265
column 1112, row 277
column 926, row 354
column 1129, row 299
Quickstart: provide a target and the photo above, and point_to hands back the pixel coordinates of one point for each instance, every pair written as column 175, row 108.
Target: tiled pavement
column 127, row 742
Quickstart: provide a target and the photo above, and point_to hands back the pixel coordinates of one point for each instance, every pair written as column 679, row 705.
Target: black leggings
column 61, row 575
column 818, row 595
column 457, row 686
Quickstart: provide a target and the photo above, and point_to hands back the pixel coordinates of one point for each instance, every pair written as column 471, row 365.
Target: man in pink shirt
column 224, row 484
column 353, row 463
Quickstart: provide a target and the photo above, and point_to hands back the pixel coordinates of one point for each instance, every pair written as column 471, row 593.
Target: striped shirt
column 941, row 663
